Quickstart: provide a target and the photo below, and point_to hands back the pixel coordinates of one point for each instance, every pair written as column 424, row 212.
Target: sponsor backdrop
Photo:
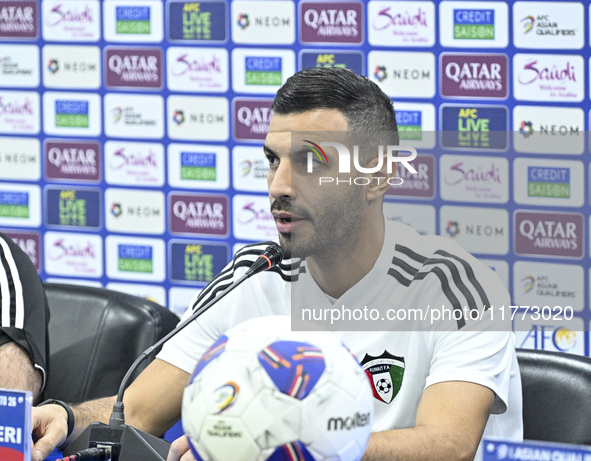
column 131, row 134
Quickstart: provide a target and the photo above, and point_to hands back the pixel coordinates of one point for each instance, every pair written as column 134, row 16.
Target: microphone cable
column 90, row 454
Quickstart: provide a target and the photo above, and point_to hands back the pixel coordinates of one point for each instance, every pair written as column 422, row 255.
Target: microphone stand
column 126, row 443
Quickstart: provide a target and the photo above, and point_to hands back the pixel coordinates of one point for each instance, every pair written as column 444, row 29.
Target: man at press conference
column 459, row 383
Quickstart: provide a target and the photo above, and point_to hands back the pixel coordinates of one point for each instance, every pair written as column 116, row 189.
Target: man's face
column 312, row 219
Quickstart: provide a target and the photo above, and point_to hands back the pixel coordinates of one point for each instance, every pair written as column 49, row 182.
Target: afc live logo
column 479, row 127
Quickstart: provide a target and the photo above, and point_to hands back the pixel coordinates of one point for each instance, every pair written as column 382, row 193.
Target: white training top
column 412, row 272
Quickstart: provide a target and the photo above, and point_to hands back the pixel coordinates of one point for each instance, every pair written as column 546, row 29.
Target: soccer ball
column 263, row 392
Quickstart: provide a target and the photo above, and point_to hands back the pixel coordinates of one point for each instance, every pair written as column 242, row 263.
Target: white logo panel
column 20, row 159
column 261, row 71
column 198, row 118
column 545, row 284
column 73, row 254
column 548, row 130
column 474, row 178
column 133, row 258
column 19, row 112
column 263, row 22
column 548, row 77
column 420, row 217
column 19, row 66
column 134, row 211
column 134, row 116
column 474, row 24
column 192, row 166
column 72, row 114
column 249, row 169
column 71, row 20
column 197, row 69
column 403, row 74
column 71, row 67
column 546, row 182
column 394, row 23
column 134, row 163
column 477, row 230
column 549, row 25
column 252, row 218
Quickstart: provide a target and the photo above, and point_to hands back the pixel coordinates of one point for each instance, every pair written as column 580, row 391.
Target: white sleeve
column 483, row 350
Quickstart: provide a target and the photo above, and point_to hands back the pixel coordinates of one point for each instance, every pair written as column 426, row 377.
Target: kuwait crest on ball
column 385, row 373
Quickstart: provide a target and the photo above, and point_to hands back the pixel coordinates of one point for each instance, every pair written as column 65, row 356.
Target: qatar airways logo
column 121, row 159
column 317, row 158
column 61, row 14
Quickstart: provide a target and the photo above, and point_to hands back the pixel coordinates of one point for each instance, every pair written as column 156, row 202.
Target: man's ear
column 379, row 180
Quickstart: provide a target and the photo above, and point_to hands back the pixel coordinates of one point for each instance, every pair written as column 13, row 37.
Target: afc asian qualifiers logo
column 385, row 374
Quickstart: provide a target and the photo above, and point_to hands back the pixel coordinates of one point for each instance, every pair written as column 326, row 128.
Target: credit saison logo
column 132, row 20
column 135, row 258
column 317, row 157
column 198, row 166
column 474, row 24
column 548, row 182
column 71, row 113
column 263, row 70
column 409, row 123
column 348, row 423
column 543, row 24
column 14, row 204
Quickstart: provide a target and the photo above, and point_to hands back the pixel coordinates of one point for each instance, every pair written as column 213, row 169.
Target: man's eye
column 273, row 161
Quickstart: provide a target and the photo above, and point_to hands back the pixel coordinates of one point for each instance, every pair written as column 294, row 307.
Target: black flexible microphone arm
column 270, row 257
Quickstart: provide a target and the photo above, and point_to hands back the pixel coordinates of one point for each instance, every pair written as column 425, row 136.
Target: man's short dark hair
column 367, row 109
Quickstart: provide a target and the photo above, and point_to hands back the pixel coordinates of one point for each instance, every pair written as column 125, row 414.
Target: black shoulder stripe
column 455, row 275
column 398, row 276
column 404, row 266
column 245, row 257
column 471, row 277
column 447, row 291
column 411, row 254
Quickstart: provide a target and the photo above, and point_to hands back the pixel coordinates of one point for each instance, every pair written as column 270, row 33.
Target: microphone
column 126, row 442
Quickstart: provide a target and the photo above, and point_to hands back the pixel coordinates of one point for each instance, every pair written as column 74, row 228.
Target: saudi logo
column 526, row 128
column 385, row 374
column 316, row 149
column 528, row 23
